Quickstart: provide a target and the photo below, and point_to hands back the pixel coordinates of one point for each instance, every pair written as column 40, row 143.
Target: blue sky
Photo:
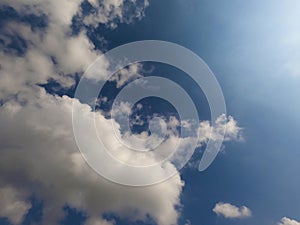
column 252, row 48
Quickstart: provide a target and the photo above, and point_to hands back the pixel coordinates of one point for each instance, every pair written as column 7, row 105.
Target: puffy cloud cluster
column 13, row 204
column 52, row 52
column 231, row 211
column 38, row 151
column 38, row 146
column 222, row 125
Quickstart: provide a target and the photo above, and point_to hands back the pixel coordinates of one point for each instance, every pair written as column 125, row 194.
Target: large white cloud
column 71, row 53
column 231, row 211
column 39, row 146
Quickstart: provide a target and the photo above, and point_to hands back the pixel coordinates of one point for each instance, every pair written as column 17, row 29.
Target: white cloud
column 287, row 221
column 97, row 221
column 13, row 204
column 127, row 74
column 59, row 12
column 71, row 53
column 37, row 144
column 108, row 11
column 231, row 211
column 215, row 132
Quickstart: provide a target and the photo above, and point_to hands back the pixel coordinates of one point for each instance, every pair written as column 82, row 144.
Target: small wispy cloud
column 231, row 211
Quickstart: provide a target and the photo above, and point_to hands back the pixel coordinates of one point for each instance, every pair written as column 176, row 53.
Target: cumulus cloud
column 223, row 124
column 39, row 154
column 287, row 221
column 53, row 53
column 231, row 211
column 40, row 143
column 13, row 204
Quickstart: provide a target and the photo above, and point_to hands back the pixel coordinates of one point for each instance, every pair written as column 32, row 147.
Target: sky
column 251, row 47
